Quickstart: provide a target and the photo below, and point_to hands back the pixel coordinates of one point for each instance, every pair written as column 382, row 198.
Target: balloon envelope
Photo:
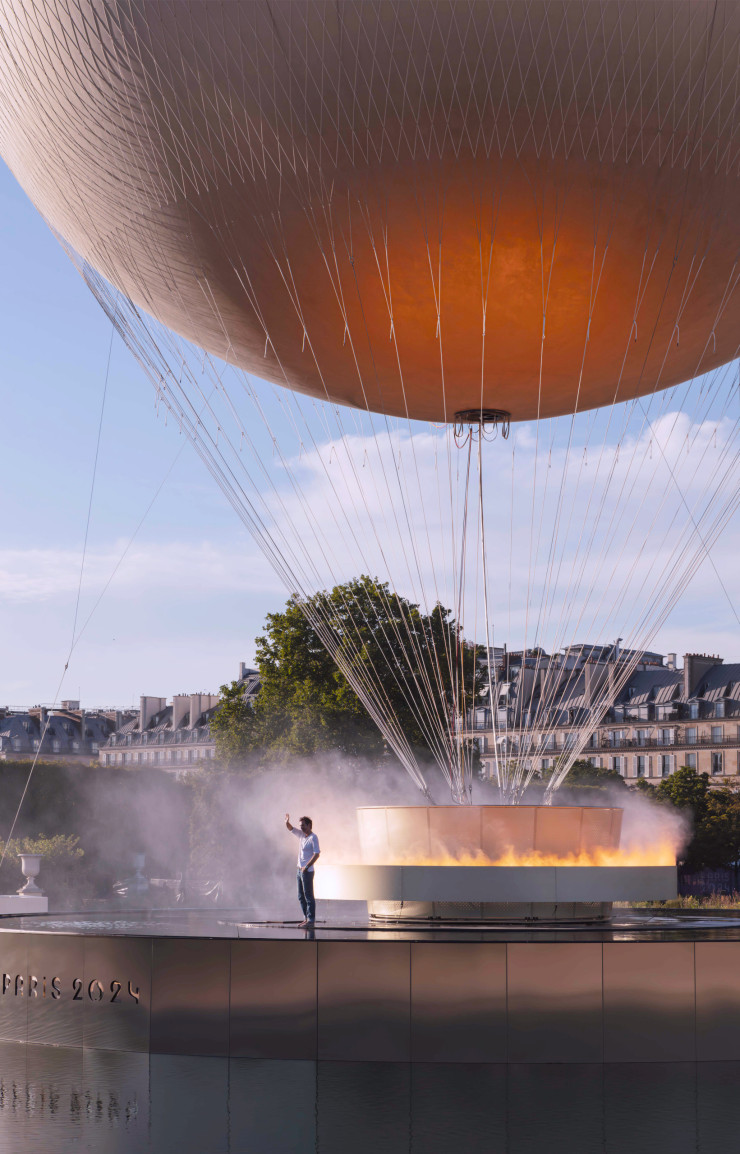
column 410, row 208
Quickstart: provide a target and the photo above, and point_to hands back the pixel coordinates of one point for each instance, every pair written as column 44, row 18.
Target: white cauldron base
column 474, row 912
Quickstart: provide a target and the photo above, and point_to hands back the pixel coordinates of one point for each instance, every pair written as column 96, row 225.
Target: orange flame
column 657, row 854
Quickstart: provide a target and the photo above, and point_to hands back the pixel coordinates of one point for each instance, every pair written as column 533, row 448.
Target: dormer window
column 693, row 709
column 719, row 709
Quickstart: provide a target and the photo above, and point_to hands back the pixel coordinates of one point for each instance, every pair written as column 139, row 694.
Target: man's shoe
column 303, row 923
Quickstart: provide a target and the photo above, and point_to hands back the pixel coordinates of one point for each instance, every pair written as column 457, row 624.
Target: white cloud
column 40, row 575
column 585, row 541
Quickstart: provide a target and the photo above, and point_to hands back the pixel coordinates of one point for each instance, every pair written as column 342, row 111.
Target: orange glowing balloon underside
column 468, row 214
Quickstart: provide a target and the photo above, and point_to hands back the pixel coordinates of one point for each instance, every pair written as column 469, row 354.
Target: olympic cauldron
column 494, row 863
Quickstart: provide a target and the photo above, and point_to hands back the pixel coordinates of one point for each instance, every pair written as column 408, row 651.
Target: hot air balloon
column 421, row 222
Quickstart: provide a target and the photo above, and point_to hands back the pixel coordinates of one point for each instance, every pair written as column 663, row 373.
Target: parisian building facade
column 63, row 733
column 640, row 714
column 175, row 737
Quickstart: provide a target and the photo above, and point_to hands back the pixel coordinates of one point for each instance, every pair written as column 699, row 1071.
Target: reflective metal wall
column 466, row 1000
column 59, row 1101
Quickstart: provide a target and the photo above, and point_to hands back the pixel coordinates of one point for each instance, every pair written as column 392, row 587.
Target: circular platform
column 642, row 988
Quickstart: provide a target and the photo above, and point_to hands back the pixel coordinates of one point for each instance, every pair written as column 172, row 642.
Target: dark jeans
column 305, row 895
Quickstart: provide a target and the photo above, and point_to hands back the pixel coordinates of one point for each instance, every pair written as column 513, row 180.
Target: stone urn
column 30, row 866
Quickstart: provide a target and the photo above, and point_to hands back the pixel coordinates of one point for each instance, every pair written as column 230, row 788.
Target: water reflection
column 56, row 1100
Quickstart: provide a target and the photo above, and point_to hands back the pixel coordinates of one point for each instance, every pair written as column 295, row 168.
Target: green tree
column 686, row 790
column 582, row 775
column 716, row 840
column 233, row 724
column 642, row 785
column 306, row 704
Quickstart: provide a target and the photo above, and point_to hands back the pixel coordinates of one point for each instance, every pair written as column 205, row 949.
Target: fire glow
column 661, row 853
column 633, row 835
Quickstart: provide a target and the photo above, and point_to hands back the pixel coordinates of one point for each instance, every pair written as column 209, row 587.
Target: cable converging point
column 486, row 423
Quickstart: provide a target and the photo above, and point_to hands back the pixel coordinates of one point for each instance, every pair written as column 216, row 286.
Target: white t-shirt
column 308, row 847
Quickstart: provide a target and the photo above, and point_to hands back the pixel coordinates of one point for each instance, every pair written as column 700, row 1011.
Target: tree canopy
column 582, row 775
column 686, row 789
column 306, row 704
column 715, row 813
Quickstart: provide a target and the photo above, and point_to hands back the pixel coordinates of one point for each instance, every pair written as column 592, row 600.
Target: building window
column 691, row 735
column 640, row 766
column 56, row 745
column 545, row 762
column 716, row 763
column 690, row 760
column 693, row 709
column 716, row 733
column 665, row 765
column 642, row 736
column 666, row 736
column 617, row 764
column 719, row 709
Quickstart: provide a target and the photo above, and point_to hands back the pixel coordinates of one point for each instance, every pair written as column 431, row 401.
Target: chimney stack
column 180, row 706
column 200, row 703
column 595, row 673
column 196, row 708
column 695, row 665
column 672, row 661
column 148, row 706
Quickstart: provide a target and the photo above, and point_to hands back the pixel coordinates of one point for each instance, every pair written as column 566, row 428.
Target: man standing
column 308, row 853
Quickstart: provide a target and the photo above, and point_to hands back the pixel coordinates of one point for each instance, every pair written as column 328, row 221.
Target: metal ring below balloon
column 486, row 423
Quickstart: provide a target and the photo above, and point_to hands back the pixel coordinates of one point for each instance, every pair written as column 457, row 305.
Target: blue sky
column 182, row 611
column 192, row 592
